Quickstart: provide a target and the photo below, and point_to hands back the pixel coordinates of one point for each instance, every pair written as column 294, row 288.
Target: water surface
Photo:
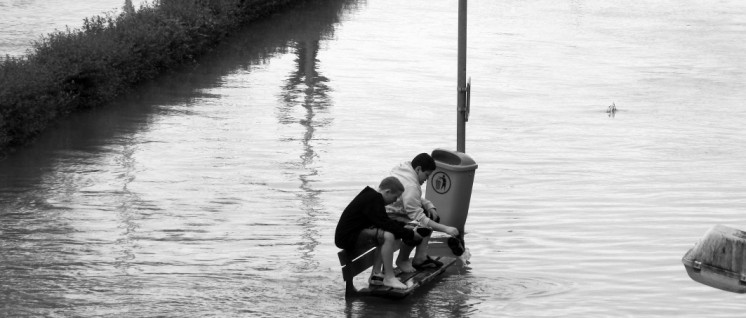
column 215, row 192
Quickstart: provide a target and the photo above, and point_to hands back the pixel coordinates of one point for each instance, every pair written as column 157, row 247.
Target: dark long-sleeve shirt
column 367, row 209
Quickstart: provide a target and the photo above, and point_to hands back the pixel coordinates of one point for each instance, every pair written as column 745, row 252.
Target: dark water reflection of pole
column 307, row 89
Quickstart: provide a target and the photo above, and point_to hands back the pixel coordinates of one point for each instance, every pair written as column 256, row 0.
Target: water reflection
column 577, row 9
column 73, row 205
column 307, row 90
column 126, row 210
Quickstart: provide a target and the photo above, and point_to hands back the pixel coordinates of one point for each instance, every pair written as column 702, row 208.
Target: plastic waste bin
column 449, row 186
column 719, row 259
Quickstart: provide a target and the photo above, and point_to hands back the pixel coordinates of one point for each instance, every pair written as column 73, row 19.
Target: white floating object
column 719, row 259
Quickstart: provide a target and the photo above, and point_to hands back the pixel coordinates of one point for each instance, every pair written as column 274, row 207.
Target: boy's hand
column 452, row 231
column 433, row 215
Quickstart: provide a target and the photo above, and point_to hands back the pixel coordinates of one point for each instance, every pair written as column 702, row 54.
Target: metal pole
column 461, row 82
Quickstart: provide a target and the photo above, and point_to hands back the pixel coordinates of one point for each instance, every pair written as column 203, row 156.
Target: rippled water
column 215, row 192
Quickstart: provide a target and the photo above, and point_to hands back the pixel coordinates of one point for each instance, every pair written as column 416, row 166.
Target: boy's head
column 423, row 164
column 390, row 188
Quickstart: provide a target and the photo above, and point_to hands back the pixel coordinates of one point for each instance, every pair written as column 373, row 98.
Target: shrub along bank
column 110, row 54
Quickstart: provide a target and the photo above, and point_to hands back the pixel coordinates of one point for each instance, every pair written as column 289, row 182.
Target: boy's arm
column 378, row 217
column 412, row 202
column 444, row 228
column 430, row 210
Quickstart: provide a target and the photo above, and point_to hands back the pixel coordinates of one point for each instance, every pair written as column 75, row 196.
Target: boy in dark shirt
column 365, row 220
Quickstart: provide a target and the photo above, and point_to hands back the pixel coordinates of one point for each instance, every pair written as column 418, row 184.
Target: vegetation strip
column 88, row 67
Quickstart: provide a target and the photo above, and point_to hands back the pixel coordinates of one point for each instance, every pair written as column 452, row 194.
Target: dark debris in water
column 611, row 110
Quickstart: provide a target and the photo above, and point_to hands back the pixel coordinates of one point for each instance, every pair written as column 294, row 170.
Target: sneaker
column 424, row 231
column 456, row 244
column 428, row 263
column 376, row 279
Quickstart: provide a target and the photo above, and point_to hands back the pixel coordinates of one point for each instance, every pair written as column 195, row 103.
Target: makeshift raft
column 358, row 261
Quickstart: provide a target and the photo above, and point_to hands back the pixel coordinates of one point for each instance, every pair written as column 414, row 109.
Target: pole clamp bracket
column 466, row 105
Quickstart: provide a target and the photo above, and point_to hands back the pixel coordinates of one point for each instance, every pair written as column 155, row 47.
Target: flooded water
column 216, row 191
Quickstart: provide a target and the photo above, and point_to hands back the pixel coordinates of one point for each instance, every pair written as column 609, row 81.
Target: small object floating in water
column 611, row 109
column 719, row 259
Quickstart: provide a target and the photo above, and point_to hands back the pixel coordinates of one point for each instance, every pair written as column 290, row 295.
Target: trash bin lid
column 453, row 160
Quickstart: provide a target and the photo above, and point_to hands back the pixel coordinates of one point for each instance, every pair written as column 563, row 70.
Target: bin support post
column 461, row 79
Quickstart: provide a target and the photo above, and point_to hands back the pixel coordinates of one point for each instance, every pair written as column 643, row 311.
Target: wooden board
column 416, row 280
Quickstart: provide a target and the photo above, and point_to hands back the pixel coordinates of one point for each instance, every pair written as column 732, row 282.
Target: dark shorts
column 370, row 236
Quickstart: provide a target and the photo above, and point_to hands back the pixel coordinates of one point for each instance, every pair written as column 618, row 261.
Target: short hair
column 424, row 161
column 391, row 183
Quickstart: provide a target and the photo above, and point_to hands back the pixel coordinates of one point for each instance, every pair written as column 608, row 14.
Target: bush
column 109, row 55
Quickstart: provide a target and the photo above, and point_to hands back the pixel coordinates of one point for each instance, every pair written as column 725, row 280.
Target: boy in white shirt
column 411, row 207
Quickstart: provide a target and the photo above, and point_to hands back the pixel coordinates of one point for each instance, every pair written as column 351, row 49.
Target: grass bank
column 109, row 55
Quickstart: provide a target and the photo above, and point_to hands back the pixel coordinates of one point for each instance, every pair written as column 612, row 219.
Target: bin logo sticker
column 441, row 182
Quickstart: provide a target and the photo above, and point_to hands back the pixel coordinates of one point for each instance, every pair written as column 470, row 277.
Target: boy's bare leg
column 402, row 261
column 387, row 256
column 420, row 254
